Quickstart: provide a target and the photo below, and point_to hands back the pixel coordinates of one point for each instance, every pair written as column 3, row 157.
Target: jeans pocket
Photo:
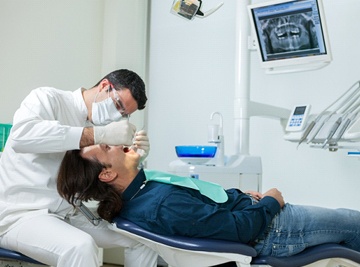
column 281, row 250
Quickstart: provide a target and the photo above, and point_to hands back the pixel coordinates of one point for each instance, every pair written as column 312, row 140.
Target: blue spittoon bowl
column 195, row 154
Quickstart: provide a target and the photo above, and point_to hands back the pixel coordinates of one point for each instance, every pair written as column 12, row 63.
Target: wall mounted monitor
column 291, row 35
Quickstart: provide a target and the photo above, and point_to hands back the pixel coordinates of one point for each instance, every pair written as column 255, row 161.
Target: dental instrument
column 87, row 213
column 306, row 133
column 330, row 126
column 339, row 133
column 319, row 123
column 348, row 118
column 134, row 147
column 350, row 113
column 332, row 131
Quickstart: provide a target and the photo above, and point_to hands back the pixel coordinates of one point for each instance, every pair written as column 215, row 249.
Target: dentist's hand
column 115, row 133
column 141, row 141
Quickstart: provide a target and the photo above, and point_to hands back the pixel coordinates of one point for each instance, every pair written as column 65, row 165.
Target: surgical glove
column 141, row 141
column 115, row 133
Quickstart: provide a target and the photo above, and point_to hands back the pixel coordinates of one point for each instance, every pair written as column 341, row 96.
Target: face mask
column 104, row 112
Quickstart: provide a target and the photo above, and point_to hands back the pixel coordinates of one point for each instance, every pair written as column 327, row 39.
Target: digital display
column 300, row 110
column 290, row 30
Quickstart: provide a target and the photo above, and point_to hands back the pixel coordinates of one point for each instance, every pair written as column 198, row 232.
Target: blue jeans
column 297, row 227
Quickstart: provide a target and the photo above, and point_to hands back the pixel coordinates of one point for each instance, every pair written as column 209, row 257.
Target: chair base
column 17, row 263
column 9, row 258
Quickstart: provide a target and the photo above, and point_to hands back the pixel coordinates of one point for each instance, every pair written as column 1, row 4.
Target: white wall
column 125, row 39
column 192, row 74
column 67, row 44
column 47, row 43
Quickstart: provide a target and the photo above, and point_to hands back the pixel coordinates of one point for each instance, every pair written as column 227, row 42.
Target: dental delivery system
column 339, row 122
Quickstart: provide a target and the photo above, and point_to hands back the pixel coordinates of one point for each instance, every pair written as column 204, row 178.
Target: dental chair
column 185, row 251
column 9, row 258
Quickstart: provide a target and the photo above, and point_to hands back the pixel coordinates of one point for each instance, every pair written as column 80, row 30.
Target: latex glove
column 115, row 133
column 141, row 141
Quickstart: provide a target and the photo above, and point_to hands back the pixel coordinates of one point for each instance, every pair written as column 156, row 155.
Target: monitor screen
column 291, row 35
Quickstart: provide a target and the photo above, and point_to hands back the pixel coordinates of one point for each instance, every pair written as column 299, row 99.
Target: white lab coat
column 49, row 122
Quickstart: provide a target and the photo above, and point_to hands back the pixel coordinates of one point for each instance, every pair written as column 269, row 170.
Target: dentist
column 34, row 219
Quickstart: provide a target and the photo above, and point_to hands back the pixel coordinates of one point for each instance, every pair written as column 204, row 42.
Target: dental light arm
column 188, row 9
column 200, row 14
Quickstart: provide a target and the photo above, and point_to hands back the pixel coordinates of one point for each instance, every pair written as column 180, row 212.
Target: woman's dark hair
column 128, row 79
column 78, row 179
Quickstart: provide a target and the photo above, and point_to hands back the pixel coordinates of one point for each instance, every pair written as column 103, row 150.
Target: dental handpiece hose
column 307, row 132
column 343, row 129
column 87, row 213
column 332, row 131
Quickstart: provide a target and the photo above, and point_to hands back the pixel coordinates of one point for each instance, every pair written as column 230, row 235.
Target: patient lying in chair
column 111, row 176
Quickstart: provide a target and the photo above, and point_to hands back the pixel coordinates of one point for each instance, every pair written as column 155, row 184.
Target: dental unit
column 216, row 136
column 338, row 122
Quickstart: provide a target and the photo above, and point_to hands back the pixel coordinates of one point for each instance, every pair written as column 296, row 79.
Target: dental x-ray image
column 289, row 33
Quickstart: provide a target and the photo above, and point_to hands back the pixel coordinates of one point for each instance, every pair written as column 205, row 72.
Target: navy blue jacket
column 174, row 210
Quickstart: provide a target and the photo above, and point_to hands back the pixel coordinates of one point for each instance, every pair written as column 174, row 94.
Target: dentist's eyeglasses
column 120, row 107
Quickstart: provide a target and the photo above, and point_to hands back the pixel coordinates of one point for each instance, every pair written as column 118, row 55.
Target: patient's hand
column 275, row 194
column 254, row 194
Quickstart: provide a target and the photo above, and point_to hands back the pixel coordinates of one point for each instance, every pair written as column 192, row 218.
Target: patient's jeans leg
column 298, row 227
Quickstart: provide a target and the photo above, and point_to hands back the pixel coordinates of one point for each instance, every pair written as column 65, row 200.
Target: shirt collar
column 134, row 187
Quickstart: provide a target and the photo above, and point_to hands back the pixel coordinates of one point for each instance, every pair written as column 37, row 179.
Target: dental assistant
column 34, row 219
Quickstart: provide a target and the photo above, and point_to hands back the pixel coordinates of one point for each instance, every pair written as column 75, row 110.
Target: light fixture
column 188, row 9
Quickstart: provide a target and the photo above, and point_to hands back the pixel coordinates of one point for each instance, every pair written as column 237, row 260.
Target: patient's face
column 112, row 156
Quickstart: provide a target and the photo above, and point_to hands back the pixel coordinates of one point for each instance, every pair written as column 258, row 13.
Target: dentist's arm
column 115, row 133
column 87, row 137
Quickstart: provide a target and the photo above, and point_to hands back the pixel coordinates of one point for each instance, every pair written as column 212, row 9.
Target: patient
column 110, row 175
